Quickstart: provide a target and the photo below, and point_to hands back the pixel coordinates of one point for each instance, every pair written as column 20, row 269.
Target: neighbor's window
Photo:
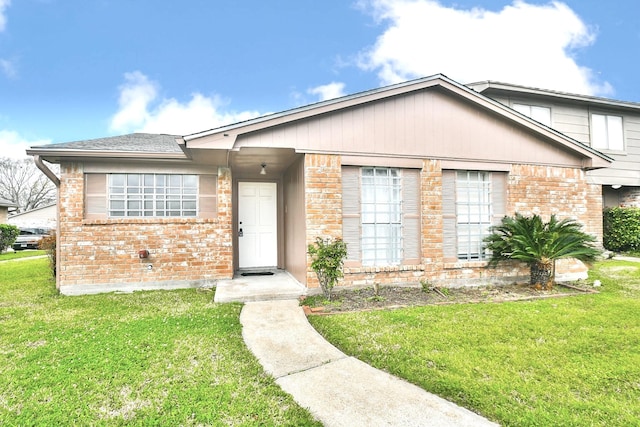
column 606, row 132
column 539, row 114
column 152, row 195
column 381, row 204
column 473, row 213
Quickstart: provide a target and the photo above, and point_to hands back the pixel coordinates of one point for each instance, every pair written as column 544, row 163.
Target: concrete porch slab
column 280, row 286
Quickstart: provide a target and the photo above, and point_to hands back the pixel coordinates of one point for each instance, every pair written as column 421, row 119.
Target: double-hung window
column 606, row 132
column 381, row 216
column 472, row 201
column 381, row 205
column 537, row 113
column 473, row 212
column 152, row 195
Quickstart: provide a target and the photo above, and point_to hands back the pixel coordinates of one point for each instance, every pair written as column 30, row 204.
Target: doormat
column 257, row 273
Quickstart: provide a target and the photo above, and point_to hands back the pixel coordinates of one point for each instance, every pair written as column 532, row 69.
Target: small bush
column 621, row 231
column 8, row 235
column 48, row 243
column 327, row 258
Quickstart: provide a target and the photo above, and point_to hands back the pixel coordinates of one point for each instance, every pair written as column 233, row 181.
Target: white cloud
column 8, row 68
column 3, row 19
column 140, row 110
column 527, row 44
column 13, row 145
column 328, row 91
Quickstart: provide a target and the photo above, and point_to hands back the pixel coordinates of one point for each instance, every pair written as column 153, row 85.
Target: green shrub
column 621, row 231
column 327, row 258
column 8, row 235
column 539, row 244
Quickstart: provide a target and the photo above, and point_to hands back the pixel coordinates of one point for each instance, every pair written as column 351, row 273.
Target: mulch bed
column 390, row 297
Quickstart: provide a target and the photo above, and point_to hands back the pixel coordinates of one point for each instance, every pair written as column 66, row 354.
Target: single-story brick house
column 410, row 176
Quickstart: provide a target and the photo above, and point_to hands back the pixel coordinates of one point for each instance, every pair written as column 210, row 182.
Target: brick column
column 224, row 227
column 70, row 210
column 432, row 232
column 323, row 201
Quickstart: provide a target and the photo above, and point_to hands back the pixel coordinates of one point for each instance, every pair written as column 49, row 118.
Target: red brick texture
column 182, row 250
column 630, row 197
column 193, row 251
column 543, row 190
column 323, row 201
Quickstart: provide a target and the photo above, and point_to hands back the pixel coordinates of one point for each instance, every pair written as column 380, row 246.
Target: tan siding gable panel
column 424, row 124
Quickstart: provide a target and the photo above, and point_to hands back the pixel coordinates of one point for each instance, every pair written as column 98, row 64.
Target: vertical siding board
column 96, row 196
column 393, row 139
column 498, row 196
column 411, row 210
column 450, row 238
column 208, row 196
column 351, row 211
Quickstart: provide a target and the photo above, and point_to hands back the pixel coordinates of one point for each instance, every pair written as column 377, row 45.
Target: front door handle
column 240, row 233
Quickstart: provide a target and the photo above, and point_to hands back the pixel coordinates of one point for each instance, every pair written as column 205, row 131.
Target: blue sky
column 78, row 69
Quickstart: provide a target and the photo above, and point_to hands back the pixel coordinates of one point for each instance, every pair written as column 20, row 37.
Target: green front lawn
column 560, row 362
column 147, row 358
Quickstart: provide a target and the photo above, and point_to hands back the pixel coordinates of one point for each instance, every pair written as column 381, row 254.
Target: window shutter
column 498, row 196
column 95, row 196
column 449, row 235
column 351, row 212
column 411, row 232
column 208, row 196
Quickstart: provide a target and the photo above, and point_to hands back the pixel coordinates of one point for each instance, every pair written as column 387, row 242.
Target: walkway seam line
column 344, row 356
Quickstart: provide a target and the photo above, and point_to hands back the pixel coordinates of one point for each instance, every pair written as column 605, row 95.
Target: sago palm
column 539, row 244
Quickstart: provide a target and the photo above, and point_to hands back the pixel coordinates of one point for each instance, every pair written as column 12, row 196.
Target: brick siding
column 196, row 251
column 542, row 190
column 630, row 197
column 323, row 201
column 183, row 251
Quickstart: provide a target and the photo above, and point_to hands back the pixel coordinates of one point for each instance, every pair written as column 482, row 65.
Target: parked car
column 30, row 238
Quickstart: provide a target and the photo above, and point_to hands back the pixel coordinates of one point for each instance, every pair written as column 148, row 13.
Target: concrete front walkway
column 337, row 389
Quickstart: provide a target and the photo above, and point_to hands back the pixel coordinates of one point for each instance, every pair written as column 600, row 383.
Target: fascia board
column 62, row 153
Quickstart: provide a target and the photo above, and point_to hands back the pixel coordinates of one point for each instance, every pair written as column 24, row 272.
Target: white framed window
column 152, row 195
column 381, row 216
column 537, row 113
column 606, row 132
column 473, row 213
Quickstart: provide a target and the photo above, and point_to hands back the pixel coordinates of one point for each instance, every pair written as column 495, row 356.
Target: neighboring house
column 42, row 217
column 410, row 176
column 612, row 127
column 5, row 205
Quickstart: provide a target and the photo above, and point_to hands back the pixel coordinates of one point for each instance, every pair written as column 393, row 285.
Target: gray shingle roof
column 135, row 142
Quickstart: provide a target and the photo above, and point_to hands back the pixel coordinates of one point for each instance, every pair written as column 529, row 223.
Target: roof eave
column 77, row 154
column 508, row 87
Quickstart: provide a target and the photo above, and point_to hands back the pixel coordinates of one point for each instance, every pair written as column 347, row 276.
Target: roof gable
column 310, row 128
column 427, row 117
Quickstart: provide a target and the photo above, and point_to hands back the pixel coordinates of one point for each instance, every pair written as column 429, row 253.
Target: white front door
column 257, row 224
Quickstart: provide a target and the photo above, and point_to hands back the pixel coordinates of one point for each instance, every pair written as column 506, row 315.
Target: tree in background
column 22, row 183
